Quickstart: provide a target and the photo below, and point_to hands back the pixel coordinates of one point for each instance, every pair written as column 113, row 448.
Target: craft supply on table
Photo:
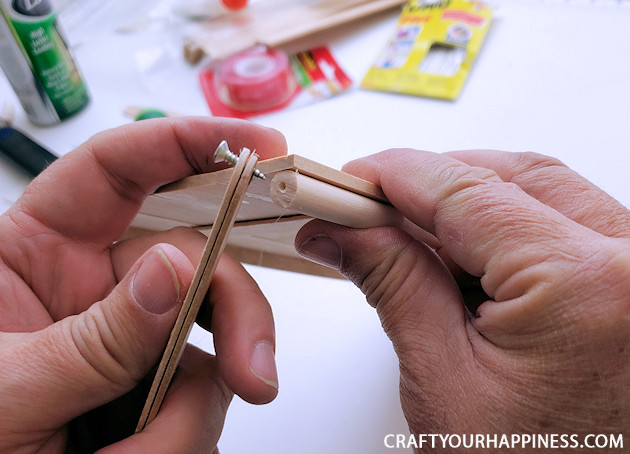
column 37, row 62
column 261, row 80
column 432, row 50
column 23, row 151
column 255, row 80
column 145, row 114
column 234, row 5
column 200, row 10
column 275, row 23
column 137, row 113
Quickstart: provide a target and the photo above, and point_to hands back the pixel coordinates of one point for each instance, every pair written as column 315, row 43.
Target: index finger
column 487, row 226
column 94, row 192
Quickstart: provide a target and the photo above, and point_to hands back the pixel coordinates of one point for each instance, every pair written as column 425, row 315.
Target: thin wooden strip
column 201, row 281
column 270, row 167
column 309, row 26
column 279, row 24
column 280, row 262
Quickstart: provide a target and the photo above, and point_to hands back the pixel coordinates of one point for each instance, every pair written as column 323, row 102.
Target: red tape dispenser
column 259, row 80
column 255, row 80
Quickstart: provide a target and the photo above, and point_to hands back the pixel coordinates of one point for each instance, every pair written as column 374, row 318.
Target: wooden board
column 275, row 23
column 264, row 233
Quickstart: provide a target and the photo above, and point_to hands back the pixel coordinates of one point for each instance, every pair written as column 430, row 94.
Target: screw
column 223, row 154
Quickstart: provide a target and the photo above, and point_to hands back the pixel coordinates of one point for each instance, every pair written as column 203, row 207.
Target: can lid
column 32, row 9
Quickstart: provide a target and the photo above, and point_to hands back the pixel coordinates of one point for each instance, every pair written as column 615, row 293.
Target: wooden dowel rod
column 320, row 200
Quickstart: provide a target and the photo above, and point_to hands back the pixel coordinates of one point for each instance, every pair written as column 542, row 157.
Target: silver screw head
column 223, row 154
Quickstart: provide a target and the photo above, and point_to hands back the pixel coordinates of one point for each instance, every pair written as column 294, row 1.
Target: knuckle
column 385, row 277
column 456, row 174
column 465, row 183
column 125, row 187
column 530, row 161
column 484, row 205
column 533, row 169
column 592, row 296
column 104, row 348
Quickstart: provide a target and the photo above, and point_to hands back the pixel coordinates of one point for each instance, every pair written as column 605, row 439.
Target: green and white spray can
column 37, row 62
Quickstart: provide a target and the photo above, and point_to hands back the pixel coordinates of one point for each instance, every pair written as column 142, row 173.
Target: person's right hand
column 84, row 317
column 549, row 349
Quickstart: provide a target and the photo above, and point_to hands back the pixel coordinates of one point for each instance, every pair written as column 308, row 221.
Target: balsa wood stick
column 320, row 200
column 217, row 240
column 334, row 13
column 279, row 22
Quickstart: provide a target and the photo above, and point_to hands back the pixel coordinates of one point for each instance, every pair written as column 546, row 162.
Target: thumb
column 416, row 298
column 87, row 360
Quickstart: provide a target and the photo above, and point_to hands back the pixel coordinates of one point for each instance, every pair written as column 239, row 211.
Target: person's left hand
column 83, row 318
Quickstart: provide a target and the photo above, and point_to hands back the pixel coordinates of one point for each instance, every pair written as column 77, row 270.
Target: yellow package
column 432, row 50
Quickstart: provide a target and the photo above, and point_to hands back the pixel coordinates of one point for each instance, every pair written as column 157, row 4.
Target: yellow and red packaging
column 433, row 49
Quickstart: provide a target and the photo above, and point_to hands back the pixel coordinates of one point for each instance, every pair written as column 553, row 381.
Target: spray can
column 37, row 62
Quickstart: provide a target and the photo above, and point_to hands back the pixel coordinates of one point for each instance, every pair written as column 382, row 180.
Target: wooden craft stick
column 217, row 240
column 320, row 200
column 337, row 16
column 279, row 22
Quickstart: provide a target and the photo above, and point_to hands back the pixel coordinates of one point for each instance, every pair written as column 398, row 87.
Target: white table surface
column 553, row 77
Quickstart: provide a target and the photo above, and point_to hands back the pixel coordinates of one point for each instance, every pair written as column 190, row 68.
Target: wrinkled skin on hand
column 546, row 348
column 83, row 318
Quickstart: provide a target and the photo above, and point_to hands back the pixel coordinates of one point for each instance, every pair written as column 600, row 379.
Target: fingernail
column 155, row 285
column 323, row 250
column 263, row 364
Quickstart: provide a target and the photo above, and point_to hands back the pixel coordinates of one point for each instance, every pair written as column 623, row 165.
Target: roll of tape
column 255, row 80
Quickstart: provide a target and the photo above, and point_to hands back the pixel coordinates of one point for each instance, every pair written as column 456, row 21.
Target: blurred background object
column 37, row 62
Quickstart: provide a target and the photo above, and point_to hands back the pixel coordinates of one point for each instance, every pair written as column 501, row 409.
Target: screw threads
column 223, row 154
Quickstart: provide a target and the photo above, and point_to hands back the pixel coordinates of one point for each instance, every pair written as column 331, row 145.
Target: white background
column 552, row 77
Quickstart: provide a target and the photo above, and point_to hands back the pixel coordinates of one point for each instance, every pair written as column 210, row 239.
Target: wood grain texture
column 275, row 23
column 263, row 233
column 217, row 240
column 293, row 191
